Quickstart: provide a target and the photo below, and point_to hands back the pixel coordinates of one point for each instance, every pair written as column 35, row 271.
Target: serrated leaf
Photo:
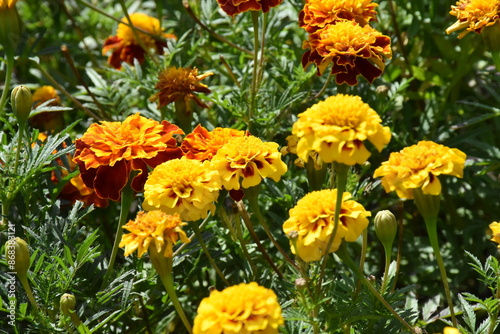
column 469, row 314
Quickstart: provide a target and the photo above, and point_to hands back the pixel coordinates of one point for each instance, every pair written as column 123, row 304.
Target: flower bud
column 67, row 304
column 18, row 256
column 386, row 227
column 21, row 100
column 10, row 27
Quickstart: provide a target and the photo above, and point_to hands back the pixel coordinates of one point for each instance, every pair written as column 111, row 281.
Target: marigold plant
column 336, row 129
column 183, row 186
column 352, row 50
column 250, row 159
column 244, row 308
column 419, row 166
column 313, row 220
column 153, row 231
column 474, row 15
column 108, row 152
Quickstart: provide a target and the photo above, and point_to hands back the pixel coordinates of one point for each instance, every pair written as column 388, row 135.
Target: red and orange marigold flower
column 108, row 152
column 202, row 144
column 474, row 15
column 125, row 47
column 235, row 7
column 319, row 13
column 352, row 50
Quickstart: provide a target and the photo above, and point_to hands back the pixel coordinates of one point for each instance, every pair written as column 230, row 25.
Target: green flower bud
column 17, row 256
column 22, row 101
column 386, row 227
column 67, row 304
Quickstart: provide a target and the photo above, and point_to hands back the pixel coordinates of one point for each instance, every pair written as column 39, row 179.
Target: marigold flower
column 76, row 190
column 4, row 4
column 184, row 186
column 155, row 231
column 108, row 152
column 353, row 50
column 419, row 166
column 313, row 219
column 202, row 144
column 336, row 129
column 291, row 147
column 125, row 47
column 49, row 120
column 180, row 84
column 244, row 308
column 495, row 231
column 474, row 15
column 248, row 158
column 234, row 7
column 451, row 330
column 319, row 13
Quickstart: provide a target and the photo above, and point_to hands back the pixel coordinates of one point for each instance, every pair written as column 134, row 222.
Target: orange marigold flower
column 495, row 232
column 244, row 308
column 474, row 15
column 180, row 84
column 234, row 7
column 184, row 186
column 202, row 144
column 353, row 50
column 125, row 47
column 319, row 13
column 108, row 152
column 419, row 166
column 248, row 158
column 154, row 231
column 4, row 4
column 50, row 120
column 313, row 220
column 76, row 190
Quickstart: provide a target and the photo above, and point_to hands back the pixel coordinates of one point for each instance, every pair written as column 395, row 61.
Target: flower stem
column 126, row 201
column 168, row 282
column 197, row 232
column 400, row 245
column 22, row 126
column 255, row 74
column 26, row 286
column 387, row 252
column 431, row 225
column 343, row 254
column 9, row 64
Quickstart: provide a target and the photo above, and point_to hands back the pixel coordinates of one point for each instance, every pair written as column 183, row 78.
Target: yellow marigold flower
column 319, row 13
column 352, row 49
column 419, row 166
column 239, row 309
column 451, row 330
column 51, row 120
column 336, row 128
column 249, row 158
column 495, row 231
column 202, row 144
column 44, row 94
column 108, row 152
column 474, row 15
column 180, row 84
column 155, row 231
column 234, row 7
column 4, row 4
column 184, row 186
column 292, row 141
column 124, row 45
column 313, row 220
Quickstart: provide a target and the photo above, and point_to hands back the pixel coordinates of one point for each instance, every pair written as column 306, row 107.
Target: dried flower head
column 184, row 186
column 419, row 166
column 108, row 152
column 248, row 158
column 495, row 232
column 313, row 219
column 319, row 13
column 153, row 231
column 336, row 129
column 125, row 47
column 474, row 15
column 352, row 50
column 244, row 308
column 234, row 7
column 180, row 84
column 202, row 144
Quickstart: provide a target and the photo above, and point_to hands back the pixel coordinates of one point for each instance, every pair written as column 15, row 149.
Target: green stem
column 24, row 282
column 431, row 225
column 255, row 74
column 496, row 59
column 364, row 249
column 22, row 126
column 126, row 201
column 343, row 254
column 400, row 245
column 197, row 232
column 168, row 282
column 387, row 251
column 9, row 64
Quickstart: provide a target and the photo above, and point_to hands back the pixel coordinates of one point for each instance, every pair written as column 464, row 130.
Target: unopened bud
column 67, row 304
column 17, row 255
column 21, row 100
column 386, row 227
